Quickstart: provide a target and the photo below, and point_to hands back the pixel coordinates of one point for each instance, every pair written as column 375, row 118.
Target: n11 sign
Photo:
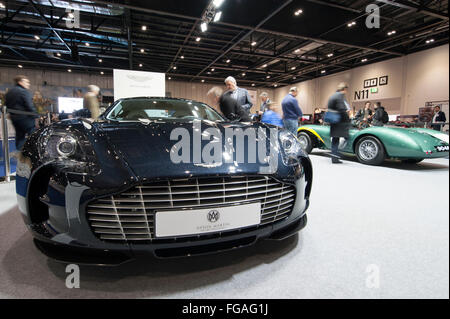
column 138, row 83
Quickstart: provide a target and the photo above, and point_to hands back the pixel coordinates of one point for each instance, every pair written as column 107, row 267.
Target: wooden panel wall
column 188, row 90
column 55, row 78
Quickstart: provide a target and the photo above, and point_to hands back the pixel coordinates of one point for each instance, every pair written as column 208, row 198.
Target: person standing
column 438, row 119
column 265, row 101
column 228, row 106
column 271, row 117
column 380, row 117
column 91, row 102
column 366, row 113
column 318, row 116
column 19, row 98
column 241, row 95
column 337, row 103
column 291, row 111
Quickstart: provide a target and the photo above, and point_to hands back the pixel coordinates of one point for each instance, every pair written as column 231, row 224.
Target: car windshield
column 161, row 109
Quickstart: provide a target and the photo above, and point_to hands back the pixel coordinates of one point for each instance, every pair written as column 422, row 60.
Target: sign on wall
column 370, row 87
column 138, row 83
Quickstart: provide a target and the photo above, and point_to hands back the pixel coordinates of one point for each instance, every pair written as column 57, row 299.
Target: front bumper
column 119, row 255
column 67, row 235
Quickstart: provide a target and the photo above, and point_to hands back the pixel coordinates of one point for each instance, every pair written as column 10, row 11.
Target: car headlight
column 59, row 146
column 66, row 146
column 291, row 148
column 69, row 148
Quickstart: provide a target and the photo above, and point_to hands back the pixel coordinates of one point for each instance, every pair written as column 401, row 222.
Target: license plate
column 208, row 220
column 442, row 148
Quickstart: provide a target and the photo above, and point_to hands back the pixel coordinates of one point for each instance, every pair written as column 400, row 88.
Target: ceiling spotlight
column 198, row 39
column 208, row 72
column 212, row 70
column 297, row 51
column 204, row 26
column 87, row 44
column 142, row 50
column 351, row 24
column 228, row 61
column 264, row 66
column 330, row 55
column 37, row 37
column 144, row 28
column 203, row 81
column 430, row 41
column 174, row 67
column 102, row 72
column 170, row 78
column 140, row 65
column 253, row 84
column 182, row 57
column 392, row 32
column 69, row 70
column 253, row 43
column 268, row 77
column 218, row 16
column 293, row 68
column 243, row 74
column 58, row 54
column 275, row 85
column 2, row 6
column 294, row 78
column 218, row 3
column 20, row 66
column 364, row 60
column 100, row 60
column 298, row 12
column 323, row 71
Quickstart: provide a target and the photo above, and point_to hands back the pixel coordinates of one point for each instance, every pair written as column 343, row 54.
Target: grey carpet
column 394, row 217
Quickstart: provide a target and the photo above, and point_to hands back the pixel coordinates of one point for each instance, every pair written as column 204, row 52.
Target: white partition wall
column 138, row 83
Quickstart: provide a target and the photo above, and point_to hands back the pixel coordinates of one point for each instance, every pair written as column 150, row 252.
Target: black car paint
column 56, row 215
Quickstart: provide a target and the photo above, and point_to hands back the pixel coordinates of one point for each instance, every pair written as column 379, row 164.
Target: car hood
column 147, row 148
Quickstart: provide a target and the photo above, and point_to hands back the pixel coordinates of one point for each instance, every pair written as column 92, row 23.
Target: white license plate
column 208, row 220
column 442, row 148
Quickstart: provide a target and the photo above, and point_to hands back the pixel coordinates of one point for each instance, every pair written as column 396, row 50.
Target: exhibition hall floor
column 391, row 221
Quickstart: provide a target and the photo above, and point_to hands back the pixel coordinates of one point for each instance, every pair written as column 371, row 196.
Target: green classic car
column 373, row 145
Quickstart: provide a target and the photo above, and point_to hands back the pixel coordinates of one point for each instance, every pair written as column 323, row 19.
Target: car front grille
column 129, row 216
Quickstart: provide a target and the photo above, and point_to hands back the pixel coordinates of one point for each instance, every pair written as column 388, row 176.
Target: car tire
column 412, row 161
column 370, row 151
column 306, row 142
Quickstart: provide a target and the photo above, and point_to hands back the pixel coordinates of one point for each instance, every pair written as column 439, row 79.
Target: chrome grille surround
column 129, row 216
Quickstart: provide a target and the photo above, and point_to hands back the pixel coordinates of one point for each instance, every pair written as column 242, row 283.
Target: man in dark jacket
column 228, row 105
column 291, row 111
column 380, row 117
column 19, row 99
column 438, row 119
column 337, row 103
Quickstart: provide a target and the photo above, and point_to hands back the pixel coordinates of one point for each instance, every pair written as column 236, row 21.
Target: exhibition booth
column 224, row 150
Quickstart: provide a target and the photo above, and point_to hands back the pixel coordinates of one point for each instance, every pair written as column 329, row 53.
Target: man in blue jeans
column 291, row 111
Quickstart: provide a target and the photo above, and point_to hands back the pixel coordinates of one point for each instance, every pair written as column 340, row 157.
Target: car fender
column 312, row 131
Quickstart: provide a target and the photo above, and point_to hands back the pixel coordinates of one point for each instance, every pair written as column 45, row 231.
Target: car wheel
column 370, row 151
column 412, row 161
column 305, row 142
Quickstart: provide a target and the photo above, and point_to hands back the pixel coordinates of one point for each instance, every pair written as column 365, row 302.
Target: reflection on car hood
column 147, row 148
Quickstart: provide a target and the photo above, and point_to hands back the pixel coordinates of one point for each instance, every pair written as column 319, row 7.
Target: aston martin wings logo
column 213, row 216
column 139, row 78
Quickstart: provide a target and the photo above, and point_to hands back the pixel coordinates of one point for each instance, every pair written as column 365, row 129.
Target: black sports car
column 165, row 176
